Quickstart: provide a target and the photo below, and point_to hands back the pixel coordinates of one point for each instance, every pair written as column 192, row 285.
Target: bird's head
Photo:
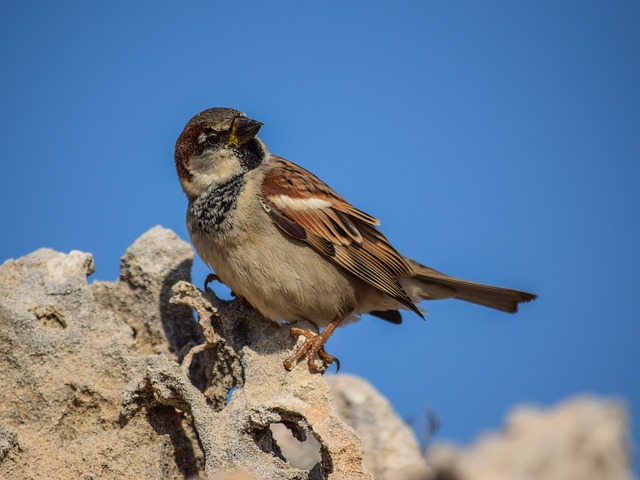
column 216, row 145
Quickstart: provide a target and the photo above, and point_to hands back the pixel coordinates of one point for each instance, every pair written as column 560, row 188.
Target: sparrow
column 292, row 247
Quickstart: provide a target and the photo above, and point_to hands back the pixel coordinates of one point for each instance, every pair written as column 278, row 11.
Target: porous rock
column 583, row 438
column 92, row 387
column 390, row 448
column 66, row 355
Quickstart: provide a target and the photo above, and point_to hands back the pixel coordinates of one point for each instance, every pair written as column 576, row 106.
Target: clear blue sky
column 497, row 141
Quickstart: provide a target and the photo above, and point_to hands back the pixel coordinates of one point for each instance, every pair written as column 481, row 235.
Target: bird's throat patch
column 212, row 209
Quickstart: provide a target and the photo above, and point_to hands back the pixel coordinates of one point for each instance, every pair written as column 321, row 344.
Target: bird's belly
column 289, row 282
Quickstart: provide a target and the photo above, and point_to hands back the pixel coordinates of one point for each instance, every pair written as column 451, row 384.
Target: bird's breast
column 282, row 278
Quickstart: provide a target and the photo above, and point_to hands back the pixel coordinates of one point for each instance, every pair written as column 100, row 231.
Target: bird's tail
column 429, row 284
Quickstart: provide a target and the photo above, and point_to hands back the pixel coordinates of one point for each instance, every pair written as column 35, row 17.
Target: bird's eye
column 213, row 139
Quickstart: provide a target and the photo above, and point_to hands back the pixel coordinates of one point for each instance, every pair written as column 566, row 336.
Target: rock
column 8, row 441
column 65, row 360
column 583, row 439
column 148, row 270
column 237, row 437
column 391, row 450
column 91, row 387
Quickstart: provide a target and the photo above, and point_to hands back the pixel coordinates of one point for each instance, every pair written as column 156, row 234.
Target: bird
column 284, row 241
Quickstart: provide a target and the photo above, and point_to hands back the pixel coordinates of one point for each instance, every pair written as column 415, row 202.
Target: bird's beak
column 243, row 130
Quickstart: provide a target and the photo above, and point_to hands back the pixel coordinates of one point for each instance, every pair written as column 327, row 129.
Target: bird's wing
column 305, row 208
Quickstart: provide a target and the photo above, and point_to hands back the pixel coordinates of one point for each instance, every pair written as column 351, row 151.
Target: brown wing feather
column 296, row 199
column 285, row 223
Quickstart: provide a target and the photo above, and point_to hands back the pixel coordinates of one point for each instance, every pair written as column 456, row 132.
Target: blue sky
column 497, row 141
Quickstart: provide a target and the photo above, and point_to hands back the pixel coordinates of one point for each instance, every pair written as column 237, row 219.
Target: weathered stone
column 66, row 359
column 583, row 438
column 391, row 450
column 390, row 447
column 148, row 270
column 91, row 388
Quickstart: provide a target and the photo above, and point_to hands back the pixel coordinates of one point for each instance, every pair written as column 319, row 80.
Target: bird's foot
column 212, row 277
column 314, row 346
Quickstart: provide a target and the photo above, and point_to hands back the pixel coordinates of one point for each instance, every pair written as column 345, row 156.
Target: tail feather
column 435, row 285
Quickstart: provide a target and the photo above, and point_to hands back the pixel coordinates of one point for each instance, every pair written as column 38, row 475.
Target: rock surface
column 236, row 437
column 67, row 351
column 91, row 387
column 583, row 438
column 390, row 448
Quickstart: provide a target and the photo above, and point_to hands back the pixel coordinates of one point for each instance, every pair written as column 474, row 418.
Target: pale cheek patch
column 283, row 201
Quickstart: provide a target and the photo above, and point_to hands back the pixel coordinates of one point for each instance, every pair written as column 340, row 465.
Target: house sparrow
column 283, row 240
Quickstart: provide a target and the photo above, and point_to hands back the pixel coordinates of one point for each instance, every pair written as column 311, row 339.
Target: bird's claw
column 313, row 346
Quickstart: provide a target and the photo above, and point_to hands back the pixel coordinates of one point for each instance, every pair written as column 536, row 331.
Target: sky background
column 496, row 141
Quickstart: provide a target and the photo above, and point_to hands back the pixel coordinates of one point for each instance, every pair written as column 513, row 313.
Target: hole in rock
column 233, row 389
column 303, row 455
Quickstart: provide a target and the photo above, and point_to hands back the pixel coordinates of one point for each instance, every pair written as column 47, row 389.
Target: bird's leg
column 212, row 277
column 312, row 346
